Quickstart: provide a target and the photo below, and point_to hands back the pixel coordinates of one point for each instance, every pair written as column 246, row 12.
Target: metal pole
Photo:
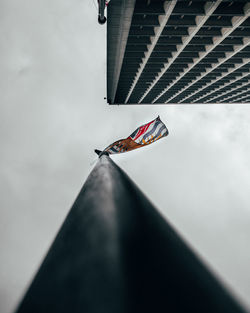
column 101, row 17
column 116, row 254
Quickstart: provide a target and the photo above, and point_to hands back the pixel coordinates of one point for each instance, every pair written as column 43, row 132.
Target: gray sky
column 52, row 116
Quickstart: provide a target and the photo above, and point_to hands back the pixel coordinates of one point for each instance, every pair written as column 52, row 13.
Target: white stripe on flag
column 139, row 140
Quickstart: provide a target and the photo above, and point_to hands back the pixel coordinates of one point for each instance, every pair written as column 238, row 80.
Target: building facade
column 173, row 52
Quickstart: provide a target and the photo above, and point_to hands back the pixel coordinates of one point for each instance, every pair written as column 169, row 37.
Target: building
column 171, row 52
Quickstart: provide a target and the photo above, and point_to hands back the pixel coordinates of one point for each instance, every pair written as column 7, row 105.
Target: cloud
column 53, row 115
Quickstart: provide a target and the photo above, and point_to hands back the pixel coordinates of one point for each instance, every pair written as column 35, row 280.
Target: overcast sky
column 52, row 116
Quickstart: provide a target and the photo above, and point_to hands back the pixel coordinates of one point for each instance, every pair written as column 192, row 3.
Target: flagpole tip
column 100, row 153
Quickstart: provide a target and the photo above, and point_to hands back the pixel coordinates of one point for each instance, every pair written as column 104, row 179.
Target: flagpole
column 116, row 254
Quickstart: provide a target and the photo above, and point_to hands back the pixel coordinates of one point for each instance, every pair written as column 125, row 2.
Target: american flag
column 142, row 136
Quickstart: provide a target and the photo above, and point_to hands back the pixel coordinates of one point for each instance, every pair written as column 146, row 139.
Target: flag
column 142, row 136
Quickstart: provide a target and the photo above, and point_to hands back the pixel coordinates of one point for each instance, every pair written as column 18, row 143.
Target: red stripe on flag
column 143, row 129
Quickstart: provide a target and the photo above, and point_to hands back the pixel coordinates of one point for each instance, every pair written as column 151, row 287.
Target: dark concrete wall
column 116, row 254
column 120, row 14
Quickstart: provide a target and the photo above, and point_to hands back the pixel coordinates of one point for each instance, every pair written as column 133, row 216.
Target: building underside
column 177, row 52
